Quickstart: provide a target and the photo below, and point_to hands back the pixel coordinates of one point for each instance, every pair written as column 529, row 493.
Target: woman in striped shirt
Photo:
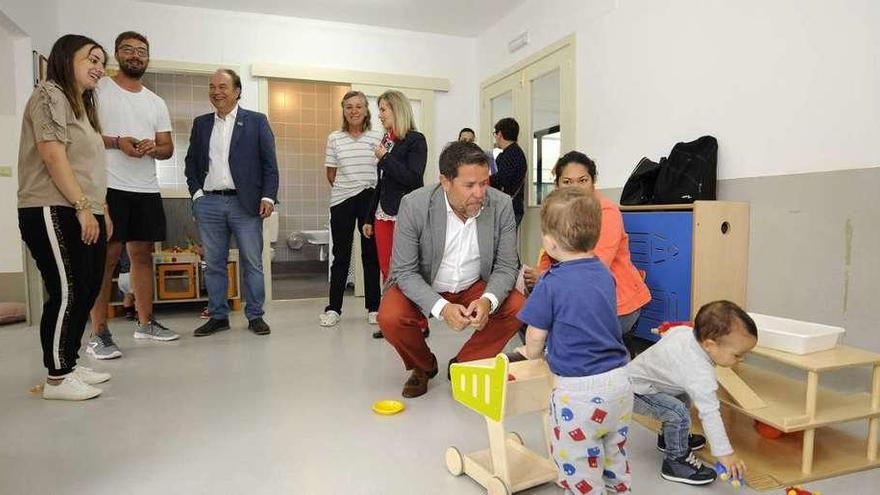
column 351, row 171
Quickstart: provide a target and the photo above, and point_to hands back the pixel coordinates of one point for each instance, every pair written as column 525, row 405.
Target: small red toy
column 798, row 490
column 767, row 431
column 666, row 325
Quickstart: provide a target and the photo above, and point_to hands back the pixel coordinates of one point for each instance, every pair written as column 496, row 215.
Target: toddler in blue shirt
column 573, row 310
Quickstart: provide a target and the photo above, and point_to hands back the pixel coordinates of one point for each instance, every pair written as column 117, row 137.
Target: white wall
column 214, row 36
column 37, row 18
column 16, row 73
column 787, row 86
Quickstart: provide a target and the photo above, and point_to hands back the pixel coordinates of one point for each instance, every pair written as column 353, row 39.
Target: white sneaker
column 90, row 376
column 329, row 318
column 373, row 317
column 71, row 388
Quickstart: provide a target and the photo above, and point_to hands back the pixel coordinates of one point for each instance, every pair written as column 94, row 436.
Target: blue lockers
column 661, row 244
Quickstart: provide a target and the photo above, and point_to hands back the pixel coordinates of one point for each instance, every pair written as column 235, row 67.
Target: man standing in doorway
column 467, row 135
column 136, row 132
column 232, row 174
column 511, row 175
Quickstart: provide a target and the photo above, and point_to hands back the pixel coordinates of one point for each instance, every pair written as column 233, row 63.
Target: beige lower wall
column 12, row 287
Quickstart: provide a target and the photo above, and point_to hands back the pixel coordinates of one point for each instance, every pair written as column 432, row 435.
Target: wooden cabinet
column 690, row 255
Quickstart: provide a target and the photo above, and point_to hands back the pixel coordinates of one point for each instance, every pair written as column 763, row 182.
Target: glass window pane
column 545, row 133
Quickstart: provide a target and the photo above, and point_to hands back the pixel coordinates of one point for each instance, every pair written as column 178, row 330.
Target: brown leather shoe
column 417, row 384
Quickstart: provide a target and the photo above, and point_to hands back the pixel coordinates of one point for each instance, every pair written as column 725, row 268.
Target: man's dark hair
column 717, row 319
column 130, row 35
column 236, row 81
column 459, row 153
column 466, row 129
column 508, row 128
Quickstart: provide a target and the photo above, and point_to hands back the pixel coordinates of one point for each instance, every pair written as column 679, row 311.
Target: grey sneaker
column 155, row 331
column 102, row 346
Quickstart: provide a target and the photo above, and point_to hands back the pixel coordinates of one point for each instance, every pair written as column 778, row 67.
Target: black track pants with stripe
column 72, row 273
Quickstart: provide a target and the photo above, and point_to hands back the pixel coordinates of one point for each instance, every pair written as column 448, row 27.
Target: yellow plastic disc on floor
column 388, row 407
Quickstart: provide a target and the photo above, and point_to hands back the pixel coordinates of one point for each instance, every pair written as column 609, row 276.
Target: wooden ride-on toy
column 498, row 389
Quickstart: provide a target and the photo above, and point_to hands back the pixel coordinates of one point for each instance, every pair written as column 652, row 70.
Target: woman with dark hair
column 351, row 172
column 402, row 156
column 61, row 209
column 575, row 169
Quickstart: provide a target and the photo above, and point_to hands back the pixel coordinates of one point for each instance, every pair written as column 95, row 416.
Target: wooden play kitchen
column 179, row 278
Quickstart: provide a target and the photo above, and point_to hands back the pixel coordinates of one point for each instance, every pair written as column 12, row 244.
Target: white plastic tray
column 794, row 336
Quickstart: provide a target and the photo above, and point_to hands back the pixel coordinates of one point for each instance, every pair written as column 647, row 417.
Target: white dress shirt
column 219, row 172
column 460, row 266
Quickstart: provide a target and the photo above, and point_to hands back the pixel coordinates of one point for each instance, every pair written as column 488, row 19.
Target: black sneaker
column 695, row 442
column 211, row 327
column 688, row 470
column 129, row 312
column 259, row 327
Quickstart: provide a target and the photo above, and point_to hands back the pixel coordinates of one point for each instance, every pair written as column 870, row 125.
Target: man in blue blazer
column 232, row 176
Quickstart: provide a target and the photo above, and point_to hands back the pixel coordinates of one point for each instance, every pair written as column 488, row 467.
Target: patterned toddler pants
column 590, row 417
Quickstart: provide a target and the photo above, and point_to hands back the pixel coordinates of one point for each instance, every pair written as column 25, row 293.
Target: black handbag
column 689, row 174
column 639, row 188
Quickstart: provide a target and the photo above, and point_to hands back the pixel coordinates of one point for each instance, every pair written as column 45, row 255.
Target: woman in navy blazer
column 402, row 156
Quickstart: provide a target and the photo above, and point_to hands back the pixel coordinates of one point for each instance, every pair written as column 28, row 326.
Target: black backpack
column 689, row 174
column 639, row 188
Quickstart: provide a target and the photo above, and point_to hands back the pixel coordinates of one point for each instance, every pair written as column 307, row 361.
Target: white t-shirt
column 355, row 163
column 139, row 115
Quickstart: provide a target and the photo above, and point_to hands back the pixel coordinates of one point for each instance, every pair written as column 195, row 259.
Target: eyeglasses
column 128, row 50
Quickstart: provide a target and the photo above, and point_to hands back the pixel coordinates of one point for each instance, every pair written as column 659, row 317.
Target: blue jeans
column 218, row 216
column 628, row 321
column 674, row 414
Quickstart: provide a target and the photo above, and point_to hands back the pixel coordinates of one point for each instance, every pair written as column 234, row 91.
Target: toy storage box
column 796, row 337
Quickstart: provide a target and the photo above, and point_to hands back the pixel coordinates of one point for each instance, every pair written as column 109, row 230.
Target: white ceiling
column 455, row 17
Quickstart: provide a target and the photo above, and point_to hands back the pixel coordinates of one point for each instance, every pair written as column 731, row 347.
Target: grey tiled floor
column 241, row 414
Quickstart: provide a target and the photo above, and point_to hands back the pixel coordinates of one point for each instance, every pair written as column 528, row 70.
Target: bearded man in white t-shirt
column 136, row 129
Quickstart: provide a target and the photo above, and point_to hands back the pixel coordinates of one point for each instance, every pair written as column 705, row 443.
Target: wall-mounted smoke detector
column 518, row 42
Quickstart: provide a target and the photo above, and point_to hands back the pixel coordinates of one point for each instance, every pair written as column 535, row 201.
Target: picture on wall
column 40, row 67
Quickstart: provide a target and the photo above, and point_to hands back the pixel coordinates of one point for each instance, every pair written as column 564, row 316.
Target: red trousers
column 400, row 321
column 383, row 230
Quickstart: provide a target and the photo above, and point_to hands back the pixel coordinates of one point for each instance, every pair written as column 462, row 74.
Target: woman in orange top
column 578, row 170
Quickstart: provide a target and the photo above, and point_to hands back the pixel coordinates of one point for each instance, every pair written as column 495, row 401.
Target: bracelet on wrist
column 81, row 204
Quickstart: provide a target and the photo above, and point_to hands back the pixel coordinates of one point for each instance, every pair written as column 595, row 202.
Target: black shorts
column 136, row 216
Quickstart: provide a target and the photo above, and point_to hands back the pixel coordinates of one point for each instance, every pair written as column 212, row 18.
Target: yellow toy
column 496, row 389
column 388, row 407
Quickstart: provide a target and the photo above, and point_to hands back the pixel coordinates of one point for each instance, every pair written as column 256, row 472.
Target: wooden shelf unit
column 812, row 447
column 690, row 255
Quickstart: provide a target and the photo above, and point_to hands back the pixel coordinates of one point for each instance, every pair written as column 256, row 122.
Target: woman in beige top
column 61, row 215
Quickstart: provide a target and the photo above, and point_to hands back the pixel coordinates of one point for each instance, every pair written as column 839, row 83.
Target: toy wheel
column 454, row 461
column 516, row 437
column 497, row 486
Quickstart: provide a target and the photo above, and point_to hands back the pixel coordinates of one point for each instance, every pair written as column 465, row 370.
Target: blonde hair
column 401, row 110
column 352, row 94
column 573, row 217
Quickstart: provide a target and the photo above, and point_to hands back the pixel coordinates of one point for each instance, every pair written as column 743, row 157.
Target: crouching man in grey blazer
column 453, row 257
